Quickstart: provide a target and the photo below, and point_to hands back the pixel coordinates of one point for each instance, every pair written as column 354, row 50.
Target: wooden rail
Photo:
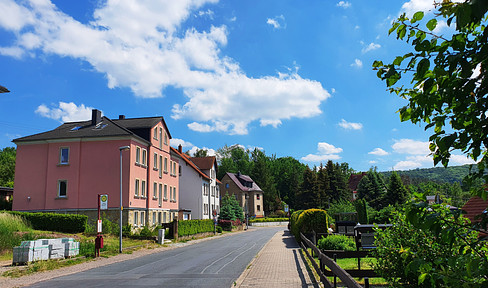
column 335, row 270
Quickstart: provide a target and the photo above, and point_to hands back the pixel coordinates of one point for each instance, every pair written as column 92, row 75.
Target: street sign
column 286, row 208
column 104, row 202
column 99, row 226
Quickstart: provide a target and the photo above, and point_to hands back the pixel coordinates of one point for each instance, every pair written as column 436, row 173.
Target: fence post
column 366, row 282
column 335, row 277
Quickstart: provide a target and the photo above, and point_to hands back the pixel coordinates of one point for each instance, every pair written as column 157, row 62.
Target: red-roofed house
column 64, row 170
column 246, row 191
column 353, row 183
column 199, row 189
column 474, row 207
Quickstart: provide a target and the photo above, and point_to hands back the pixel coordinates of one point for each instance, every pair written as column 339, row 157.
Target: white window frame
column 144, row 157
column 65, row 190
column 174, row 168
column 160, row 194
column 155, row 159
column 143, row 218
column 136, row 187
column 160, row 138
column 165, row 138
column 154, row 218
column 160, row 166
column 136, row 218
column 138, row 155
column 165, row 164
column 155, row 190
column 165, row 197
column 155, row 136
column 61, row 162
column 143, row 188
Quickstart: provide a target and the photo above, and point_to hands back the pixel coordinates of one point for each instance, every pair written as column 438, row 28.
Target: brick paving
column 278, row 264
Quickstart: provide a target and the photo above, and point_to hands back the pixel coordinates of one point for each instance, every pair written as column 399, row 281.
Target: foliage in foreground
column 13, row 230
column 431, row 246
column 336, row 242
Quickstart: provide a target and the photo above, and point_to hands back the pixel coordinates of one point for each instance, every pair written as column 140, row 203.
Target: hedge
column 268, row 220
column 228, row 224
column 190, row 227
column 316, row 220
column 294, row 225
column 66, row 223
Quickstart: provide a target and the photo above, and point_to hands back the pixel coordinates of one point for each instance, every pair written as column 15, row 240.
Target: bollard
column 161, row 233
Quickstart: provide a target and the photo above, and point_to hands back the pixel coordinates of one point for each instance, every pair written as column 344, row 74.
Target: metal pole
column 120, row 216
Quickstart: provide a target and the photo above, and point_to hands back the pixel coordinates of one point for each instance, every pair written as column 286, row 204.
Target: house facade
column 65, row 169
column 199, row 189
column 246, row 191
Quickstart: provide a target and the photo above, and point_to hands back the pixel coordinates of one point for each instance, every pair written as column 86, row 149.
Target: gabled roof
column 143, row 122
column 188, row 161
column 354, row 180
column 205, row 163
column 80, row 129
column 474, row 207
column 238, row 178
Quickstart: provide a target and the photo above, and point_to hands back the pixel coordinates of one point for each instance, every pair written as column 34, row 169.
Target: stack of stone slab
column 45, row 249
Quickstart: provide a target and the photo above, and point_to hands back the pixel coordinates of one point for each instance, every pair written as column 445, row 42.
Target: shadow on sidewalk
column 289, row 240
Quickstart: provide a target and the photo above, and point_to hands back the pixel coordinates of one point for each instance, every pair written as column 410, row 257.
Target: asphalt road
column 214, row 263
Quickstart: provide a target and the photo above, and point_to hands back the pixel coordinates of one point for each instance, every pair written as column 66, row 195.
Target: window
column 138, row 155
column 136, row 191
column 64, row 155
column 62, row 188
column 165, row 165
column 159, row 217
column 257, row 197
column 136, row 222
column 213, row 190
column 160, row 166
column 164, row 217
column 205, row 209
column 155, row 190
column 155, row 160
column 144, row 157
column 174, row 168
column 155, row 133
column 227, row 185
column 143, row 218
column 165, row 192
column 217, row 192
column 213, row 207
column 170, row 167
column 259, row 207
column 165, row 138
column 217, row 209
column 154, row 218
column 160, row 194
column 143, row 188
column 174, row 194
column 160, row 138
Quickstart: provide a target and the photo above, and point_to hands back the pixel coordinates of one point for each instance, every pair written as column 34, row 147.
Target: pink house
column 64, row 170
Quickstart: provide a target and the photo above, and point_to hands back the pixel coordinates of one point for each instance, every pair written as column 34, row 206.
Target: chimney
column 121, row 117
column 179, row 149
column 96, row 117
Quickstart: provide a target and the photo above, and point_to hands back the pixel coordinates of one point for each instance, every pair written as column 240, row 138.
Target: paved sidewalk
column 278, row 264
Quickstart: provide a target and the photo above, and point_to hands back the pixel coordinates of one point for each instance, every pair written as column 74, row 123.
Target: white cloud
column 194, row 149
column 406, row 165
column 411, row 147
column 373, row 162
column 413, row 6
column 378, row 152
column 209, row 13
column 370, row 47
column 142, row 45
column 350, row 126
column 460, row 160
column 344, row 4
column 175, row 142
column 326, row 152
column 277, row 22
column 357, row 63
column 66, row 112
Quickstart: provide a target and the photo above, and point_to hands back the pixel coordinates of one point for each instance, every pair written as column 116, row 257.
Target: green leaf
column 422, row 68
column 431, row 24
column 417, row 16
column 401, row 31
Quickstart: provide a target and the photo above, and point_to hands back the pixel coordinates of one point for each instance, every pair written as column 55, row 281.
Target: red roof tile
column 475, row 206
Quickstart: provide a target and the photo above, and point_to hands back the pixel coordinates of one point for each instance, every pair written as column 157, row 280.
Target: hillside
column 436, row 174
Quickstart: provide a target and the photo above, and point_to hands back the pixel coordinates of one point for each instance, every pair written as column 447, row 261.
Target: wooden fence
column 346, row 276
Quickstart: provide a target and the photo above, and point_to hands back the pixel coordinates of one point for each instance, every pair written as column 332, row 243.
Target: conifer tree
column 397, row 193
column 306, row 198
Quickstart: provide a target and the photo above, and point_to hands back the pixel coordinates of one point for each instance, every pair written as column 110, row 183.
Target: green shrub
column 127, row 230
column 191, row 227
column 336, row 242
column 383, row 216
column 316, row 220
column 67, row 223
column 219, row 229
column 361, row 209
column 277, row 214
column 145, row 232
column 295, row 230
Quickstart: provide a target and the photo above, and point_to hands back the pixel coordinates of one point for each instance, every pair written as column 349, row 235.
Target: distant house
column 353, row 183
column 199, row 189
column 246, row 191
column 65, row 169
column 6, row 193
column 475, row 207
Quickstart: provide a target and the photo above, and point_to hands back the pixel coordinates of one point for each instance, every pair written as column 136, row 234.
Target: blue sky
column 292, row 78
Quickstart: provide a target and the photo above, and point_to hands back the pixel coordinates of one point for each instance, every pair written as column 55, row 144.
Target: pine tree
column 226, row 209
column 397, row 193
column 337, row 183
column 261, row 174
column 307, row 197
column 372, row 189
column 323, row 185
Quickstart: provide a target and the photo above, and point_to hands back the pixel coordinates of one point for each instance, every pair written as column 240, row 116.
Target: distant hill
column 436, row 174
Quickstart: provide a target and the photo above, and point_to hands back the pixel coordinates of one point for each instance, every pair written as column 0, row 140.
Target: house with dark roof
column 65, row 169
column 353, row 183
column 199, row 189
column 246, row 191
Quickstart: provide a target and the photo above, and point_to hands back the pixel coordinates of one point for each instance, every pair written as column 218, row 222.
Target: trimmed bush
column 295, row 230
column 228, row 224
column 268, row 220
column 67, row 223
column 336, row 242
column 191, row 227
column 316, row 220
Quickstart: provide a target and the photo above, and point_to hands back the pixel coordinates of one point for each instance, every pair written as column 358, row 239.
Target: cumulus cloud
column 343, row 4
column 370, row 47
column 378, row 152
column 175, row 142
column 413, row 6
column 357, row 64
column 411, row 147
column 142, row 45
column 350, row 125
column 325, row 152
column 66, row 112
column 277, row 22
column 194, row 149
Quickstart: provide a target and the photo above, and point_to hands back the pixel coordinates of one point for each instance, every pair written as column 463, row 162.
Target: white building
column 199, row 190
